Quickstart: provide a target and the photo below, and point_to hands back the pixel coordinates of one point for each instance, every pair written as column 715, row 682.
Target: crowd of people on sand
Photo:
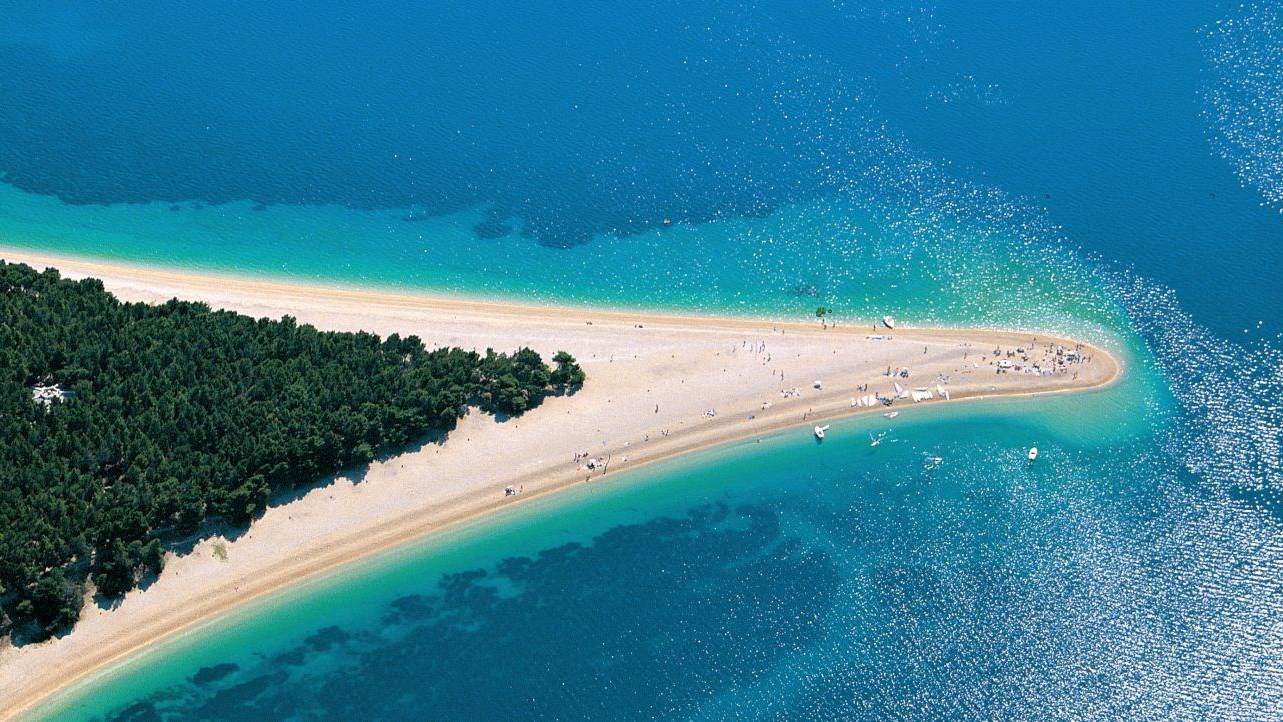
column 591, row 463
column 1054, row 359
column 760, row 354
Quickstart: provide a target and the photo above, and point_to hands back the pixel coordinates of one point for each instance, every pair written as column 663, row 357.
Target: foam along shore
column 658, row 386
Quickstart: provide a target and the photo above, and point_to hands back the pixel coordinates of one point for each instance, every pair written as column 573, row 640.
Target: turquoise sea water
column 1100, row 171
column 752, row 577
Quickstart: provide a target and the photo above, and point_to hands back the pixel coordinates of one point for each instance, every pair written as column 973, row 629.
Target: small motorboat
column 1033, row 453
column 819, row 431
column 888, row 322
column 891, row 414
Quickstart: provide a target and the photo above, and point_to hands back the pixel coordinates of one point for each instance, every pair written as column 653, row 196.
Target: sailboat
column 875, row 440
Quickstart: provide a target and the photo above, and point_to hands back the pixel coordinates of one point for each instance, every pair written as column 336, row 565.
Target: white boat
column 819, row 431
column 899, row 390
column 1033, row 453
column 891, row 414
column 888, row 322
column 875, row 440
column 921, row 394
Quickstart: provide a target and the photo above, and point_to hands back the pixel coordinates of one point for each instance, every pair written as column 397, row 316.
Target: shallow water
column 824, row 144
column 741, row 579
column 1105, row 171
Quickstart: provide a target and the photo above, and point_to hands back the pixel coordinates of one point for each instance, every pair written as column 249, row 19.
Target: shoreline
column 77, row 266
column 59, row 667
column 415, row 530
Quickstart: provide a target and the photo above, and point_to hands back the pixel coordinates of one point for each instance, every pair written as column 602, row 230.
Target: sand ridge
column 658, row 385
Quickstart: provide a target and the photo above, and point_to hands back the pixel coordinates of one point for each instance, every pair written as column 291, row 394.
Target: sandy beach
column 657, row 386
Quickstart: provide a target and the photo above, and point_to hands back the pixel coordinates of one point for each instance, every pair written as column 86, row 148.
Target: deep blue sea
column 1113, row 170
